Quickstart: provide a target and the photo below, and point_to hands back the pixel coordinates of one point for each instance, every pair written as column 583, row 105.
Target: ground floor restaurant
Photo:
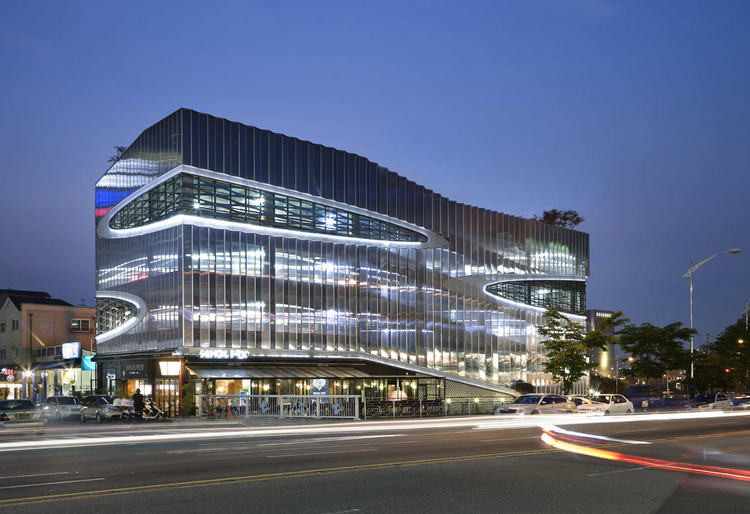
column 174, row 384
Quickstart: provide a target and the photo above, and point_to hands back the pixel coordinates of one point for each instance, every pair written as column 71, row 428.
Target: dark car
column 652, row 398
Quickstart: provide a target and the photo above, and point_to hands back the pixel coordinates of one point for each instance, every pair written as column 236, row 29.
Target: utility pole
column 747, row 308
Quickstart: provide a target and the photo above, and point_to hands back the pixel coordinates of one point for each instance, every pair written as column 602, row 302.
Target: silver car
column 62, row 407
column 538, row 403
column 21, row 416
column 99, row 407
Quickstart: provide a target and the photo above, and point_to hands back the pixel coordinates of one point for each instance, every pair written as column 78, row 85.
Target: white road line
column 37, row 475
column 52, row 483
column 617, row 471
column 319, row 453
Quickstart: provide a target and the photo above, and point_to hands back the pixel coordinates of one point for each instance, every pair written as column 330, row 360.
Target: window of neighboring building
column 14, row 324
column 80, row 325
column 2, row 326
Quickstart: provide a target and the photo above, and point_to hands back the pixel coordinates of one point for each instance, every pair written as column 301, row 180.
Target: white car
column 606, row 404
column 62, row 407
column 711, row 401
column 537, row 403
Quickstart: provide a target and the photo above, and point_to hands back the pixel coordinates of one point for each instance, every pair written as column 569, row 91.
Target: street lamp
column 689, row 273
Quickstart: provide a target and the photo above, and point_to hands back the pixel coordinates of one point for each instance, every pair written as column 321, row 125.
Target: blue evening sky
column 636, row 114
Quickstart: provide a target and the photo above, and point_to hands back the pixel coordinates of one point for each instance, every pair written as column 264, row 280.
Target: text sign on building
column 135, row 369
column 320, row 387
column 71, row 350
column 217, row 353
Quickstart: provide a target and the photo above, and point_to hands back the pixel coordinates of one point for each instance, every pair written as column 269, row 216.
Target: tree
column 118, row 155
column 567, row 349
column 732, row 351
column 655, row 350
column 710, row 370
column 567, row 219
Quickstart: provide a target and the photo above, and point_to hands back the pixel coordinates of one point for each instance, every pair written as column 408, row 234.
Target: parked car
column 652, row 398
column 606, row 404
column 741, row 402
column 538, row 403
column 100, row 407
column 62, row 407
column 710, row 401
column 21, row 416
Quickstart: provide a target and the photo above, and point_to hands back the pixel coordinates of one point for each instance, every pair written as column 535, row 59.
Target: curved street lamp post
column 689, row 273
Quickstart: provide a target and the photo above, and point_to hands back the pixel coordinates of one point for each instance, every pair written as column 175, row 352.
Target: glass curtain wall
column 427, row 306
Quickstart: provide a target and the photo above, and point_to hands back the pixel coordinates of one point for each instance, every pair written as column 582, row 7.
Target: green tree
column 655, row 350
column 732, row 348
column 710, row 370
column 567, row 219
column 567, row 349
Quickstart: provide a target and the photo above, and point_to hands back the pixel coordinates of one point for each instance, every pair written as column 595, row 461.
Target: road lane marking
column 618, row 471
column 320, row 453
column 37, row 475
column 52, row 483
column 269, row 476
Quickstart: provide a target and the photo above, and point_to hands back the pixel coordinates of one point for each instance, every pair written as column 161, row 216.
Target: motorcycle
column 150, row 412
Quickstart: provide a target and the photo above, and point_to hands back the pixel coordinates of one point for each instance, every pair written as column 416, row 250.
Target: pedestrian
column 138, row 403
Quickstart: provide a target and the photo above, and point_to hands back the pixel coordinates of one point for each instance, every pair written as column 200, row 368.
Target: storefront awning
column 232, row 372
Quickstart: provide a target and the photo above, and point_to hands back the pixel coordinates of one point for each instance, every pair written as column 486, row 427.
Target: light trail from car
column 548, row 437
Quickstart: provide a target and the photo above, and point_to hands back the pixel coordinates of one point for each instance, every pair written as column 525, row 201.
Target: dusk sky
column 635, row 114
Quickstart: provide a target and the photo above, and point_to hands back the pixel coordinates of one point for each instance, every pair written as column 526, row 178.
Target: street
column 482, row 464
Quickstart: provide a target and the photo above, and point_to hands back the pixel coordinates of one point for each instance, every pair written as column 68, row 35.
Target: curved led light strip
column 103, row 229
column 140, row 313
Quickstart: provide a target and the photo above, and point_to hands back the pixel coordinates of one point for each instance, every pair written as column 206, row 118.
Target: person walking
column 138, row 403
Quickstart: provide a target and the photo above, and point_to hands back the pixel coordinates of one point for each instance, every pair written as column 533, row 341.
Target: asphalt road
column 481, row 464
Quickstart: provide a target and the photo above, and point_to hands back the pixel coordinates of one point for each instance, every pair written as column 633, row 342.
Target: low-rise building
column 44, row 343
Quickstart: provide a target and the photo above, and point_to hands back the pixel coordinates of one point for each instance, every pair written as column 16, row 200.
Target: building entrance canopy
column 258, row 372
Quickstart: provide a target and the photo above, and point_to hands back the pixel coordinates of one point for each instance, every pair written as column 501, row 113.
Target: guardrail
column 420, row 407
column 280, row 406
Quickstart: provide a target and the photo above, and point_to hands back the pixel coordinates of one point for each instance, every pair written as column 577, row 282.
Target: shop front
column 61, row 370
column 156, row 376
column 10, row 383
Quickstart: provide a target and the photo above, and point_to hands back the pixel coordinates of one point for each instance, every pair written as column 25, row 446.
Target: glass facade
column 208, row 198
column 424, row 308
column 563, row 296
column 111, row 313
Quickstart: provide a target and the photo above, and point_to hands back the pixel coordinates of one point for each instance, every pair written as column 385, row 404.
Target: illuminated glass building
column 251, row 258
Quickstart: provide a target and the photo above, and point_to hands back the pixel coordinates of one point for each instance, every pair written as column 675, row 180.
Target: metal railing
column 419, row 407
column 280, row 406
